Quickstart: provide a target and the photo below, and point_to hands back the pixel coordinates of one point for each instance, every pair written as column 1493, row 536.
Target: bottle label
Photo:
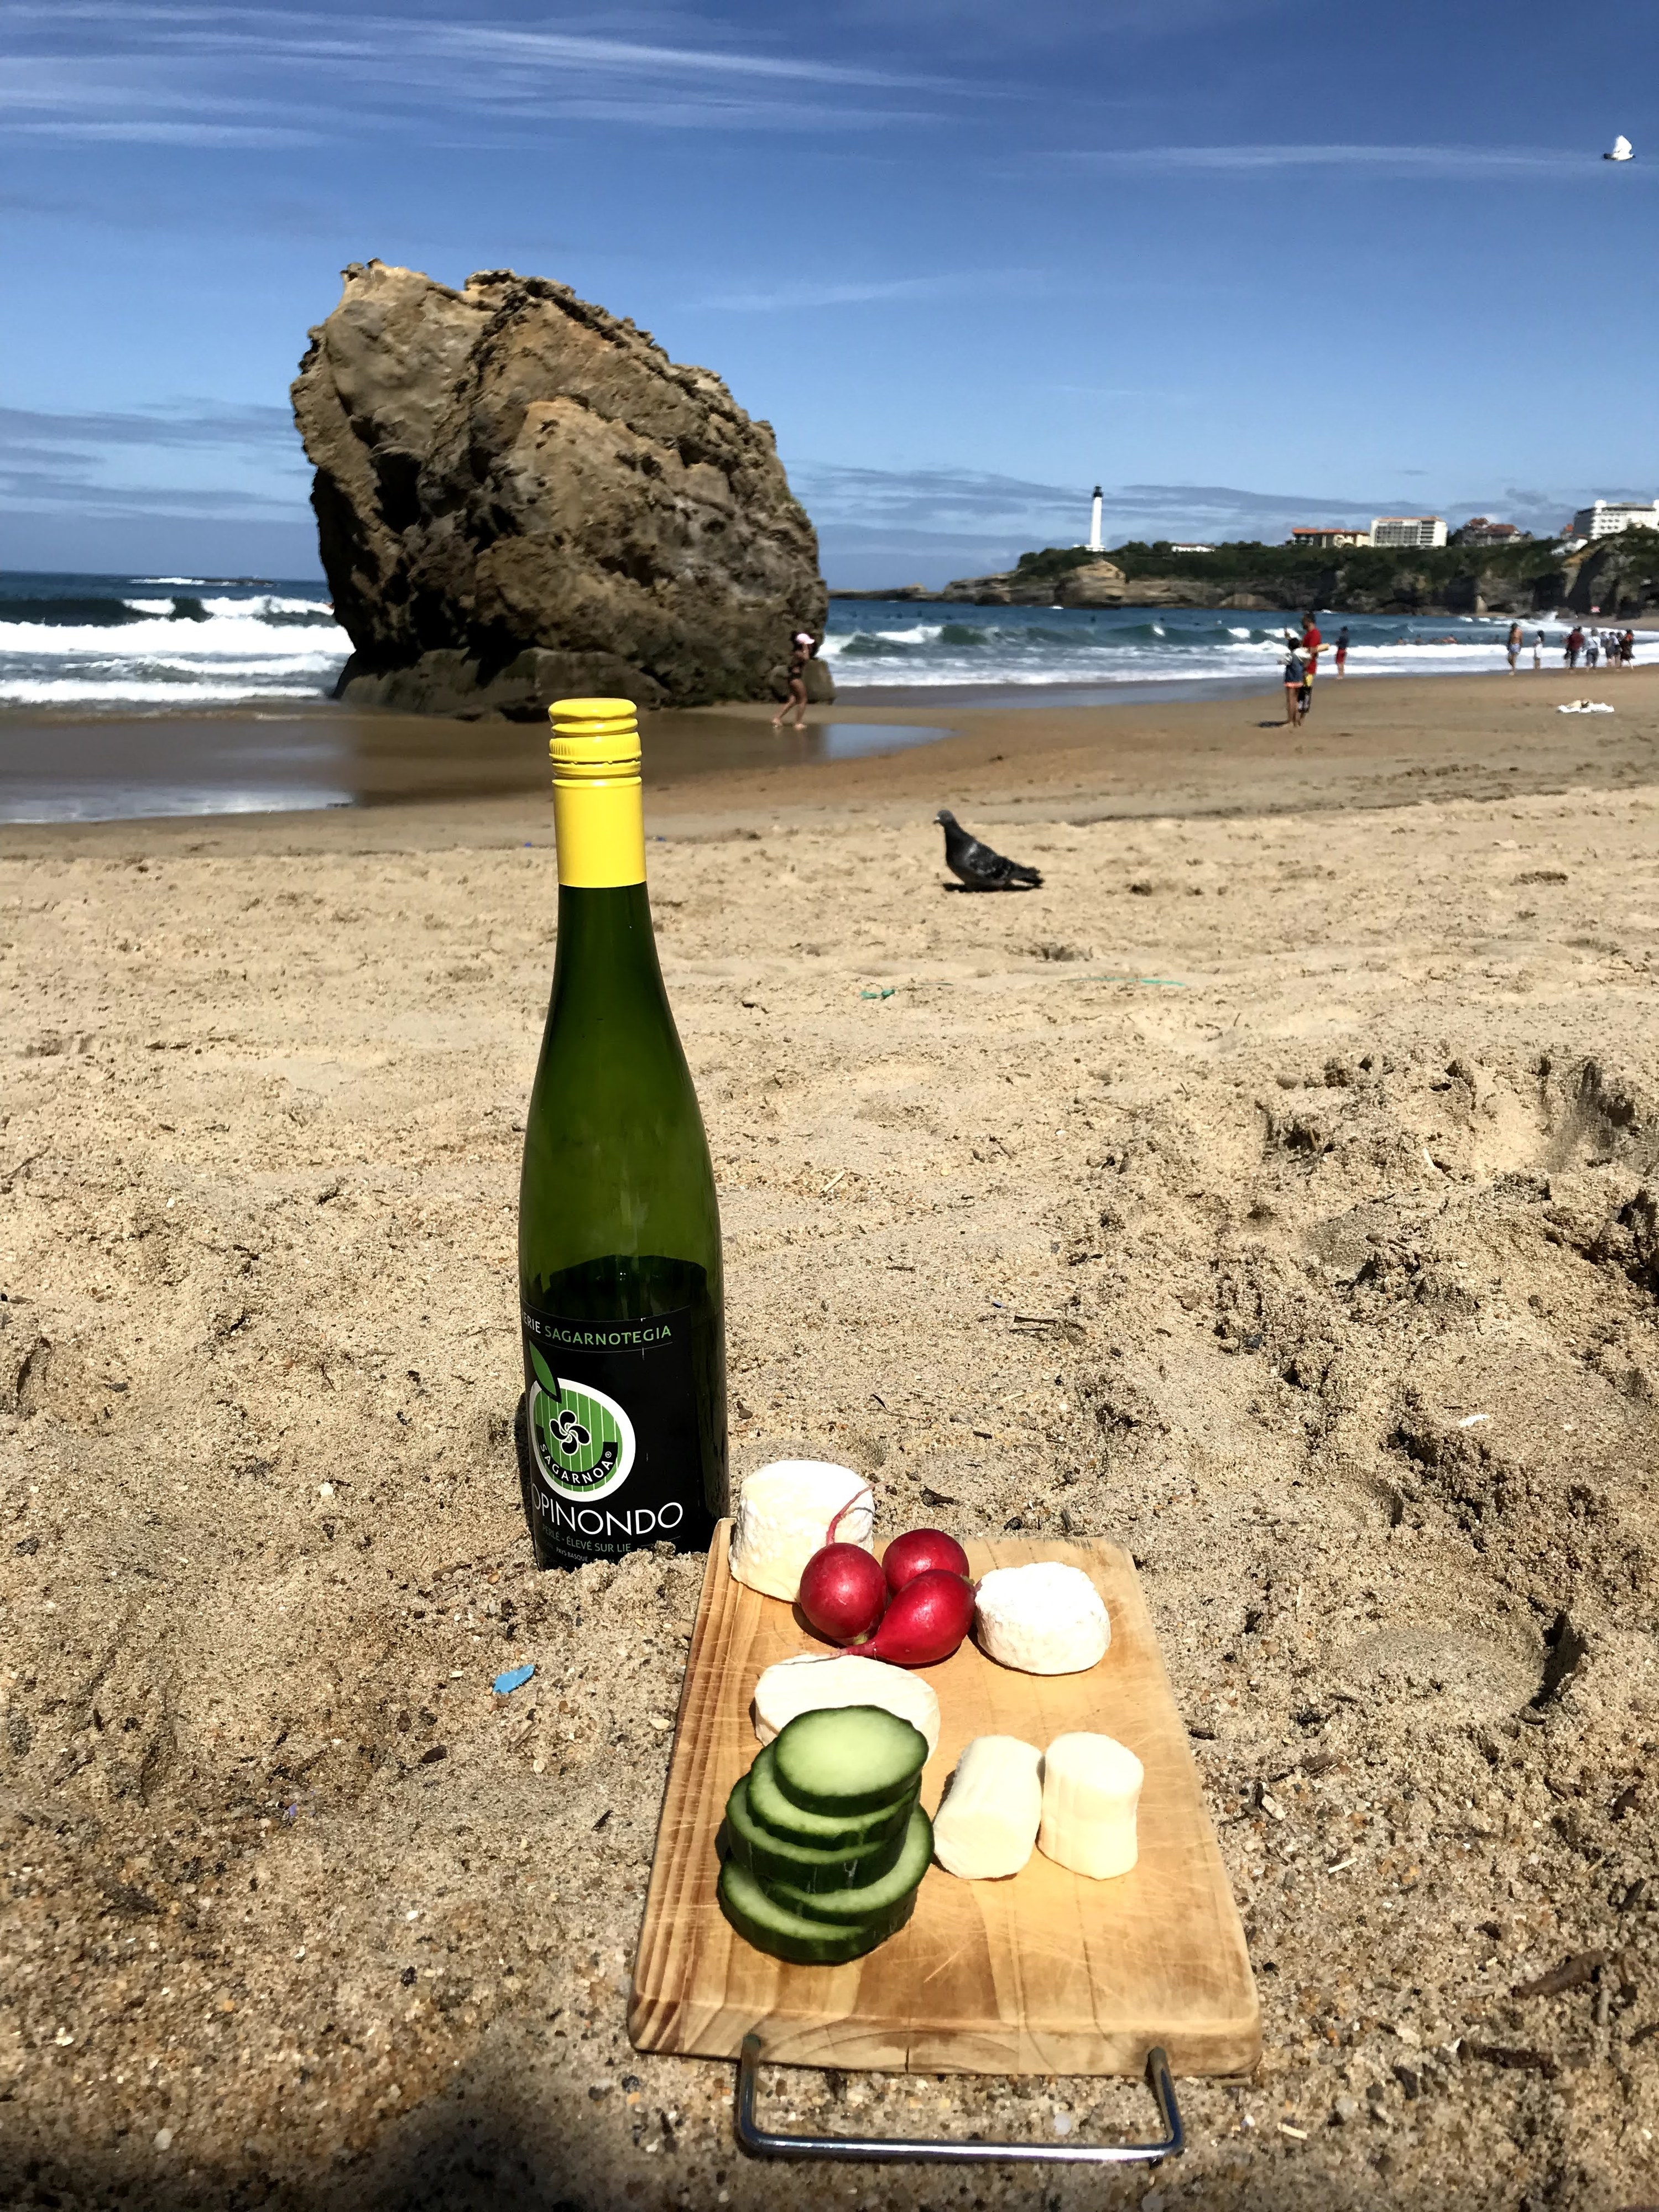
column 611, row 1421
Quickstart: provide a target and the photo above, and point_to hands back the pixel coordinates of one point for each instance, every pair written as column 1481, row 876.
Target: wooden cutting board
column 1046, row 1972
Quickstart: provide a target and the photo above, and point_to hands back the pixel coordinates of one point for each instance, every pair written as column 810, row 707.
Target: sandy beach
column 1276, row 1191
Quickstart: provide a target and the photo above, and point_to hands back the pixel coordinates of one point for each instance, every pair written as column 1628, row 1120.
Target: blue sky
column 1244, row 263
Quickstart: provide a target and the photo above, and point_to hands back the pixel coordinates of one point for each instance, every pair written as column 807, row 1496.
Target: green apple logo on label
column 584, row 1440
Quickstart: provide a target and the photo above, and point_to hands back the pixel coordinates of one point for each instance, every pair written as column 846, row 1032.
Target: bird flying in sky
column 1622, row 150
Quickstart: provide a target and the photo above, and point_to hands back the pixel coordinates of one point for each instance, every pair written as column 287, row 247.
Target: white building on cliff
column 1417, row 530
column 1606, row 518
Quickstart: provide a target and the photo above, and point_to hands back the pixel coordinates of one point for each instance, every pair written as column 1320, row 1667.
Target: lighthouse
column 1094, row 523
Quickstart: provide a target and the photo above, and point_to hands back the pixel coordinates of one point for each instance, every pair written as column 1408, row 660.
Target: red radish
column 925, row 1622
column 917, row 1552
column 843, row 1592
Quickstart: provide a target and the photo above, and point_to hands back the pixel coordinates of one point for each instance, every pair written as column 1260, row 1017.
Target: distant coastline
column 1616, row 577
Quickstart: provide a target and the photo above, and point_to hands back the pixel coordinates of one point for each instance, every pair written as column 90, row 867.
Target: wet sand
column 267, row 760
column 1368, row 743
column 1273, row 1191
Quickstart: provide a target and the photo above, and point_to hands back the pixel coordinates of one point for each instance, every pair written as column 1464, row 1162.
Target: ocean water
column 118, row 643
column 894, row 644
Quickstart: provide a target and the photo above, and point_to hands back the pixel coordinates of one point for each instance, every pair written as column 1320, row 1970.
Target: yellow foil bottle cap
column 594, row 740
column 598, row 800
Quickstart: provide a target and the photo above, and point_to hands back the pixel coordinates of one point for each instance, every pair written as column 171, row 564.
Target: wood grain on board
column 1046, row 1972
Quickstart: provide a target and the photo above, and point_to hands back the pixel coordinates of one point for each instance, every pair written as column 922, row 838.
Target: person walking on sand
column 1592, row 650
column 1512, row 646
column 1538, row 651
column 801, row 650
column 1295, row 678
column 1575, row 646
column 1342, row 650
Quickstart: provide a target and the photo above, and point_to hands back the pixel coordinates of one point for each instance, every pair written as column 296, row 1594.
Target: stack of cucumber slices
column 825, row 1843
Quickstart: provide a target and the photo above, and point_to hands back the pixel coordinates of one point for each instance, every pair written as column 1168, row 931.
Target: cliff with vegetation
column 1617, row 575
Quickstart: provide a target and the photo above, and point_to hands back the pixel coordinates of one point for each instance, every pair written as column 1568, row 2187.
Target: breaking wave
column 115, row 641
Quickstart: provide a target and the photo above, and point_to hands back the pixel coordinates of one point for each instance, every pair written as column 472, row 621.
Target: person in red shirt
column 1311, row 642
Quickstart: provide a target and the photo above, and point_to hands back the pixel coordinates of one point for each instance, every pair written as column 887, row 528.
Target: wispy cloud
column 1054, row 24
column 859, row 292
column 950, row 500
column 953, row 501
column 137, row 132
column 392, row 41
column 246, row 76
column 1470, row 163
column 128, row 464
column 43, row 491
column 187, row 423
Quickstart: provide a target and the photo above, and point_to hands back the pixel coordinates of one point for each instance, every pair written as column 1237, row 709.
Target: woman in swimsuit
column 800, row 652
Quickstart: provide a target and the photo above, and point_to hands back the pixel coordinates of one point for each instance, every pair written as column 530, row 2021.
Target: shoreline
column 708, row 769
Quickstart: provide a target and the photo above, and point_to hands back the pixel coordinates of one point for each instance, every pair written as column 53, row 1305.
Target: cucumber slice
column 825, row 1832
column 870, row 1898
column 771, row 1927
column 776, row 1858
column 847, row 1758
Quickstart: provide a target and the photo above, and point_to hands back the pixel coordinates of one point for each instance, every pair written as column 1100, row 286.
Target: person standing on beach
column 801, row 650
column 1592, row 650
column 1538, row 650
column 1512, row 646
column 1342, row 650
column 1294, row 679
column 1574, row 646
column 1310, row 648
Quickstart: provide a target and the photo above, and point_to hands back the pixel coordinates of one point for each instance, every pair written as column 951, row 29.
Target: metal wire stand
column 762, row 2142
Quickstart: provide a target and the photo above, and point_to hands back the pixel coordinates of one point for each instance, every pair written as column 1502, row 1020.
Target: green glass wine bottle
column 621, row 1428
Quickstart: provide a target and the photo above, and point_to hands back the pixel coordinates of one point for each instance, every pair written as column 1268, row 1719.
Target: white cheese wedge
column 784, row 1514
column 987, row 1826
column 1090, row 1789
column 815, row 1680
column 1045, row 1619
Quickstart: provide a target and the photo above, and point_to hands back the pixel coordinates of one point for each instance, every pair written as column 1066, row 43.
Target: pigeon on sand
column 977, row 865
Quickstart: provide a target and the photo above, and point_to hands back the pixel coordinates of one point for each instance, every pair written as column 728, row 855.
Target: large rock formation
column 1617, row 576
column 518, row 496
column 1097, row 583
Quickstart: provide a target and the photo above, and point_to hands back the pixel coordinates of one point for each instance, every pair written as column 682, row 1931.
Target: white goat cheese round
column 814, row 1680
column 1044, row 1618
column 785, row 1513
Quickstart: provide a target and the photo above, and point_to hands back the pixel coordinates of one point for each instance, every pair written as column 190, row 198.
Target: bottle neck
column 600, row 823
column 606, row 967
